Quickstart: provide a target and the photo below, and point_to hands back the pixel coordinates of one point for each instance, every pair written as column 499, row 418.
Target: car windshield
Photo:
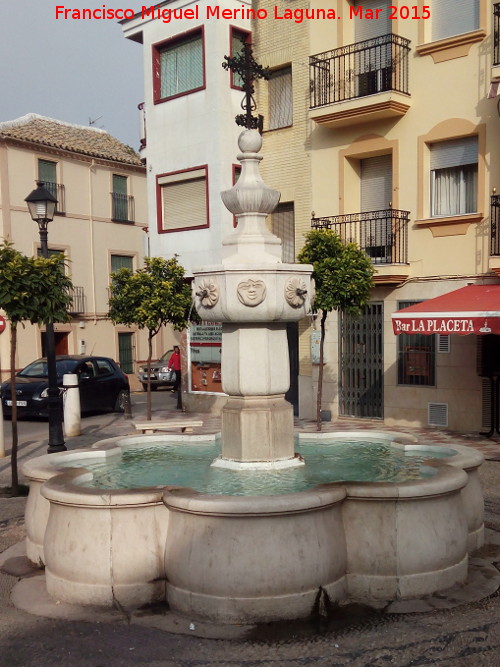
column 166, row 356
column 38, row 369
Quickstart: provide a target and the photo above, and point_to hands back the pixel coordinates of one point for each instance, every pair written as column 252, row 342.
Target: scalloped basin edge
column 244, row 559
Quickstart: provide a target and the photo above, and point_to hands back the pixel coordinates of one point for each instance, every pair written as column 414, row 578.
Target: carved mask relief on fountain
column 251, row 292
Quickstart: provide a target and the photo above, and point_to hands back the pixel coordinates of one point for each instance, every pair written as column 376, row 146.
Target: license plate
column 21, row 404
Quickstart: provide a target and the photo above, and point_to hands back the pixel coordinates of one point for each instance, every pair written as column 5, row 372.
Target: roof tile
column 77, row 138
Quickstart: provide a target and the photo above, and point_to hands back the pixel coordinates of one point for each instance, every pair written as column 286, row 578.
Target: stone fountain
column 254, row 295
column 245, row 559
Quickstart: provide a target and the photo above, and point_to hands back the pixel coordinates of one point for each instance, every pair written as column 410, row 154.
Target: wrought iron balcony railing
column 77, row 304
column 123, row 208
column 361, row 69
column 496, row 33
column 57, row 191
column 383, row 235
column 495, row 226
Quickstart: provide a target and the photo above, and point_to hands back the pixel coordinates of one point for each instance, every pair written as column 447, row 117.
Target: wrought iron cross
column 245, row 65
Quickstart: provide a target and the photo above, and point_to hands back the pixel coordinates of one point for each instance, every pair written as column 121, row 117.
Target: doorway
column 60, row 341
column 361, row 361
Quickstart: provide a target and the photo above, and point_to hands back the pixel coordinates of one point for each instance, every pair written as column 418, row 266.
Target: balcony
column 496, row 34
column 345, row 81
column 57, row 191
column 383, row 235
column 123, row 208
column 77, row 304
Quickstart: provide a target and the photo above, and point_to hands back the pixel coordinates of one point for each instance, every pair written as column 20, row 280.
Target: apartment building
column 190, row 146
column 101, row 215
column 394, row 123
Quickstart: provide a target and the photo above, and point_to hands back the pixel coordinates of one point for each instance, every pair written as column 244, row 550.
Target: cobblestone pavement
column 468, row 635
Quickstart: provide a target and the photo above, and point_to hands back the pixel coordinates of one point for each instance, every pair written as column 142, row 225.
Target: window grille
column 416, row 357
column 280, row 98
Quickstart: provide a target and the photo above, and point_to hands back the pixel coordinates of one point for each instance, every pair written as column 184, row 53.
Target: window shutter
column 454, row 153
column 119, row 184
column 47, row 171
column 371, row 28
column 454, row 17
column 185, row 204
column 283, row 225
column 280, row 98
column 237, row 38
column 376, row 183
column 181, row 67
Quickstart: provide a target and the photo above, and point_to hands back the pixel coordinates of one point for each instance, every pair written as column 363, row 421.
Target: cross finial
column 245, row 65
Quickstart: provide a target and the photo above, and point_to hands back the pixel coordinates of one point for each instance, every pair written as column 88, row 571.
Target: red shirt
column 175, row 361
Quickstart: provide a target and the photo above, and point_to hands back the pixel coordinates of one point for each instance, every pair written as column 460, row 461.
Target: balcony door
column 374, row 63
column 376, row 195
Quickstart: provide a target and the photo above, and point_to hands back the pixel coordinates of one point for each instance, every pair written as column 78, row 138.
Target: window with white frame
column 184, row 200
column 180, row 67
column 454, row 17
column 280, row 98
column 454, row 176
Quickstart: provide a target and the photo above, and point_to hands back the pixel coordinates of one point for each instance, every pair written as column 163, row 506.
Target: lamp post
column 42, row 205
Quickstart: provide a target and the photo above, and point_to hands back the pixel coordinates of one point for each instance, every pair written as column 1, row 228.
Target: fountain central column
column 254, row 294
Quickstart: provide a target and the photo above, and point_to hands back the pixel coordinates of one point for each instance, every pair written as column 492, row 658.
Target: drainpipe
column 92, row 257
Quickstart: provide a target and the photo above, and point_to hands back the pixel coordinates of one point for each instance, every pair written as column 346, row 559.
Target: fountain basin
column 252, row 558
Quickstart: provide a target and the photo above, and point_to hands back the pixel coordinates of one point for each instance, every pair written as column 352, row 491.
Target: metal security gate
column 361, row 362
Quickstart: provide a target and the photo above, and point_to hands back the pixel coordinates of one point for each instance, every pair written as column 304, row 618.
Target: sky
column 70, row 70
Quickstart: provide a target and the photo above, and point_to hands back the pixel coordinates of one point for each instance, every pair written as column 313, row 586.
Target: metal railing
column 383, row 235
column 57, row 191
column 123, row 208
column 77, row 304
column 361, row 69
column 496, row 33
column 495, row 225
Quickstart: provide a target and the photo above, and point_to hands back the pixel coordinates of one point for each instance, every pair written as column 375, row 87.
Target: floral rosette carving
column 295, row 292
column 207, row 292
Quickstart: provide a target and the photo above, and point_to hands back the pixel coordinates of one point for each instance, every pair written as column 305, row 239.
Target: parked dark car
column 159, row 373
column 102, row 385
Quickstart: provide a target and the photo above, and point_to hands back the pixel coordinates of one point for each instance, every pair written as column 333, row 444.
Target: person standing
column 174, row 364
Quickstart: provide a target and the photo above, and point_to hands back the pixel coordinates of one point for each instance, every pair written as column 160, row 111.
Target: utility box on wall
column 315, row 343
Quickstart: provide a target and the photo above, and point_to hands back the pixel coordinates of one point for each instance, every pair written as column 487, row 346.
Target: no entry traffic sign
column 3, row 324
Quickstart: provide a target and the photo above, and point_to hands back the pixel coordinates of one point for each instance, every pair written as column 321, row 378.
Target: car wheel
column 154, row 387
column 144, row 387
column 121, row 400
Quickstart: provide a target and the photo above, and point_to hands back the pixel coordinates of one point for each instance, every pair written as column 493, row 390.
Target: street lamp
column 42, row 206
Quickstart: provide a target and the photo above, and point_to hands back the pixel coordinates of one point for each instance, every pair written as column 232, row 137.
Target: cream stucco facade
column 399, row 99
column 95, row 229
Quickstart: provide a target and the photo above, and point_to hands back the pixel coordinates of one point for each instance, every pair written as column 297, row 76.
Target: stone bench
column 185, row 425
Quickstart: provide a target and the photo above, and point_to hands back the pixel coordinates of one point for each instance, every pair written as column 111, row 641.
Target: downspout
column 91, row 229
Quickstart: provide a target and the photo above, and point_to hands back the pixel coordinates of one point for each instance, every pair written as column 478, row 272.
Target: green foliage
column 151, row 297
column 33, row 288
column 343, row 273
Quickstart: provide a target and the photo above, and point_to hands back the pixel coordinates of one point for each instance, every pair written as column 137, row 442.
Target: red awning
column 474, row 309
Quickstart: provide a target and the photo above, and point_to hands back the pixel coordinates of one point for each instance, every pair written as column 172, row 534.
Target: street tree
column 34, row 289
column 150, row 298
column 343, row 276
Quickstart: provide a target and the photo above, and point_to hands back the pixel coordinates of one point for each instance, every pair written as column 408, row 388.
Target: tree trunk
column 320, row 372
column 13, row 454
column 148, row 394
